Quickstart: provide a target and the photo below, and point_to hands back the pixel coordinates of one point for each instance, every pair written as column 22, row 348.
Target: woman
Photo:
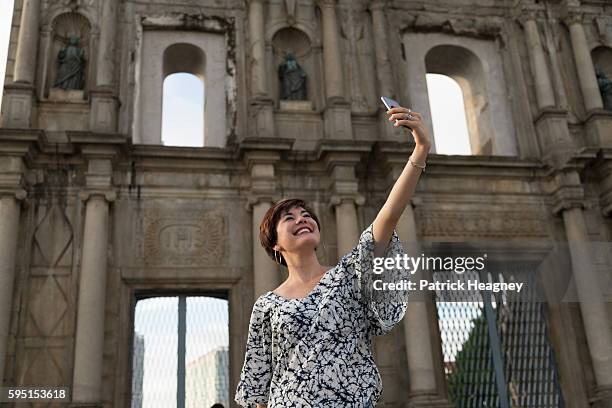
column 309, row 339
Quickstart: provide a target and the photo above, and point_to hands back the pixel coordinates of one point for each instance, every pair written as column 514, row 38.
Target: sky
column 182, row 123
column 6, row 12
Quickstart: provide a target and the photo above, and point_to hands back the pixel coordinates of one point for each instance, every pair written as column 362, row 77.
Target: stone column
column 9, row 231
column 420, row 346
column 27, row 42
column 543, row 86
column 384, row 75
column 265, row 270
column 592, row 304
column 18, row 103
column 259, row 86
column 416, row 323
column 332, row 60
column 105, row 61
column 569, row 198
column 383, row 64
column 260, row 161
column 347, row 225
column 584, row 63
column 104, row 102
column 89, row 344
column 261, row 102
column 344, row 193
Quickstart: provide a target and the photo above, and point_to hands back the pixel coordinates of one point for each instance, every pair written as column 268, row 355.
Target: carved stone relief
column 184, row 238
column 486, row 224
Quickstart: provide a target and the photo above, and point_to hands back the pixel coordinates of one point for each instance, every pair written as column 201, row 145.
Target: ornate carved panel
column 476, row 223
column 184, row 238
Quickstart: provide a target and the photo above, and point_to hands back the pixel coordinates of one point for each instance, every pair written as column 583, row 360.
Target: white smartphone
column 389, row 103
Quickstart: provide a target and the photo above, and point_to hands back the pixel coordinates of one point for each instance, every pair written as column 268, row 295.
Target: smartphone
column 390, row 103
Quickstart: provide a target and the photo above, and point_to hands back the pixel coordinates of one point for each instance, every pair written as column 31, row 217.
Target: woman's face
column 295, row 230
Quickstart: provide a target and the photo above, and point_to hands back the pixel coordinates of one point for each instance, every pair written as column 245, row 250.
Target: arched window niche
column 464, row 67
column 183, row 73
column 183, row 102
column 448, row 115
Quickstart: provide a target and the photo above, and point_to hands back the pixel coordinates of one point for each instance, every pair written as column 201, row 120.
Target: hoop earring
column 277, row 257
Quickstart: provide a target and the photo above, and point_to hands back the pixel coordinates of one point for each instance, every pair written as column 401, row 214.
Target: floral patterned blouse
column 316, row 351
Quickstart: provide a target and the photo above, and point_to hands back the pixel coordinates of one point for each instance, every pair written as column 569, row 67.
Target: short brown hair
column 267, row 229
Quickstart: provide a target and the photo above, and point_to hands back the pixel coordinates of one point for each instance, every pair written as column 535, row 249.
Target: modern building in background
column 137, row 370
column 96, row 212
column 207, row 380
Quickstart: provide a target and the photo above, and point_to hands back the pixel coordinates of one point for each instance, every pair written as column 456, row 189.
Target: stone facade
column 94, row 211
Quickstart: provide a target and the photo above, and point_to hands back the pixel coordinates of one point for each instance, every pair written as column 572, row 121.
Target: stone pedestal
column 18, row 107
column 296, row 105
column 263, row 118
column 599, row 128
column 337, row 120
column 66, row 95
column 556, row 143
column 103, row 116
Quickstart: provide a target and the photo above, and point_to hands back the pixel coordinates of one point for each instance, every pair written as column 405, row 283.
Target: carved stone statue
column 292, row 78
column 605, row 88
column 71, row 61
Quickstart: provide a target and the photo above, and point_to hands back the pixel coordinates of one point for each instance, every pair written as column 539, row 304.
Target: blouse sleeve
column 383, row 308
column 254, row 385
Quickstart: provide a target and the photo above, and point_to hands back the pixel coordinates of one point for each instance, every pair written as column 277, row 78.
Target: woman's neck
column 303, row 268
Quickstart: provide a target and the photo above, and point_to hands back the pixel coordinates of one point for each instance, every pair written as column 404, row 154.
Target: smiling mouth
column 302, row 231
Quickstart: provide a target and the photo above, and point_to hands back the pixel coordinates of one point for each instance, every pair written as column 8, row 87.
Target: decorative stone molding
column 567, row 197
column 337, row 199
column 481, row 223
column 573, row 18
column 108, row 195
column 253, row 200
column 18, row 194
column 490, row 27
column 526, row 15
column 326, row 3
column 567, row 191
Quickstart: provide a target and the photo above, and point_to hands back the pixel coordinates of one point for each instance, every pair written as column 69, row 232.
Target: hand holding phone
column 391, row 103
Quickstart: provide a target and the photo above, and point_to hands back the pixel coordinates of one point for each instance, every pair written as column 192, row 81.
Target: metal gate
column 497, row 351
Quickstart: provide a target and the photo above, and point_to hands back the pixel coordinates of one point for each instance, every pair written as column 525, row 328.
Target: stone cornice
column 24, row 143
column 250, row 144
column 598, row 113
column 326, row 146
column 548, row 112
column 567, row 191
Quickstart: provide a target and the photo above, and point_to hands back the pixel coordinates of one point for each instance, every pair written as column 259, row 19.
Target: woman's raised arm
column 404, row 186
